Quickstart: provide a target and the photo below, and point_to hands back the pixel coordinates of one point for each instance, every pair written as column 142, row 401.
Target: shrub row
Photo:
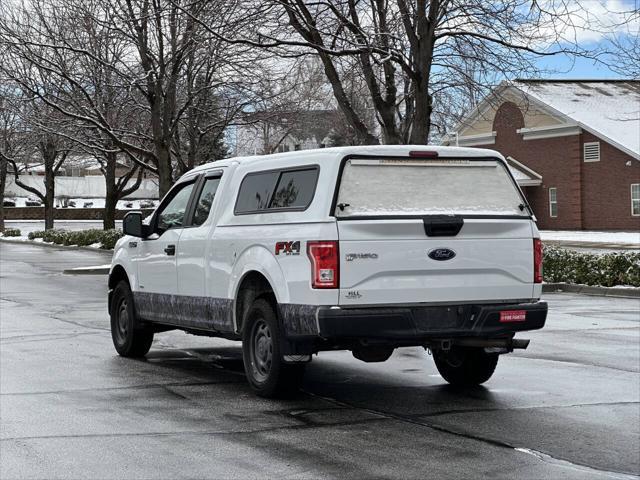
column 607, row 270
column 106, row 238
column 11, row 232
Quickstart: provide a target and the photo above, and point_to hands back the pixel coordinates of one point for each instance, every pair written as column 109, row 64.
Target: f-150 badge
column 288, row 248
column 350, row 257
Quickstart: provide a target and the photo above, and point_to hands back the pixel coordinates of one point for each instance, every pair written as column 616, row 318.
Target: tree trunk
column 109, row 214
column 361, row 130
column 390, row 132
column 165, row 178
column 162, row 145
column 111, row 197
column 49, row 211
column 422, row 117
column 3, row 182
column 422, row 59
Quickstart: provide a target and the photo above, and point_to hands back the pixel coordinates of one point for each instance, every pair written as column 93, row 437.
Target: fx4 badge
column 288, row 248
column 441, row 254
column 350, row 257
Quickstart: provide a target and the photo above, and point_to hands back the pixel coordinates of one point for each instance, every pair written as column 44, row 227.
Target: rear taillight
column 537, row 260
column 325, row 264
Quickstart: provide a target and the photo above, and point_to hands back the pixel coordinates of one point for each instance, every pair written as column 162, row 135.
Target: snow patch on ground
column 626, row 238
column 94, row 203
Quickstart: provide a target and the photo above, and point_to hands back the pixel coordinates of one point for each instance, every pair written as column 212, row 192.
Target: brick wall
column 606, row 188
column 594, row 196
column 37, row 213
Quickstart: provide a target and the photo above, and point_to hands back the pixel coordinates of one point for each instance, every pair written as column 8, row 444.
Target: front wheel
column 465, row 366
column 267, row 373
column 128, row 338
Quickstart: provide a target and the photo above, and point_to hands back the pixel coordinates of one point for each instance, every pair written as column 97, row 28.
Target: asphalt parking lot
column 568, row 407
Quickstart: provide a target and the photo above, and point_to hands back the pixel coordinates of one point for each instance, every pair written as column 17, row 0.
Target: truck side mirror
column 132, row 224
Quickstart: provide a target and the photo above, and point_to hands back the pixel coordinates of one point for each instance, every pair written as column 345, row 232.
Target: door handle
column 170, row 250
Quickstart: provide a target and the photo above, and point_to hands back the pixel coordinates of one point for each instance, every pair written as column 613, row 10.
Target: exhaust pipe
column 521, row 343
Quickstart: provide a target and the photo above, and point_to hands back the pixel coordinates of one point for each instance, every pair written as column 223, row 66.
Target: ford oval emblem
column 441, row 254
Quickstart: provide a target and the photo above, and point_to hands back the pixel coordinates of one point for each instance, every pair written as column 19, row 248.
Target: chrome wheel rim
column 261, row 351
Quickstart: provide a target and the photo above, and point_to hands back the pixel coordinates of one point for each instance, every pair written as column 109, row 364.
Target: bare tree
column 410, row 53
column 95, row 89
column 10, row 145
column 210, row 106
column 623, row 55
column 51, row 149
column 189, row 80
column 146, row 55
column 42, row 62
column 26, row 138
column 292, row 101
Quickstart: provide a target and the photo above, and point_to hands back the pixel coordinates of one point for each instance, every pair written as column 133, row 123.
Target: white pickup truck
column 358, row 248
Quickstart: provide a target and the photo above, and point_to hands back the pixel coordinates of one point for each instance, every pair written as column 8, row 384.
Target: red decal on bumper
column 508, row 316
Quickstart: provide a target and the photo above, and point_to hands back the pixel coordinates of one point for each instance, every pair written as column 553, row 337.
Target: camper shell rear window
column 371, row 187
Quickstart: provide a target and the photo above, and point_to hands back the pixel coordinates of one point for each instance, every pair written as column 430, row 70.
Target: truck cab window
column 172, row 214
column 203, row 206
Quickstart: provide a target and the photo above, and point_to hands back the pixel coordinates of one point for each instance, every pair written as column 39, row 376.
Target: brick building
column 574, row 147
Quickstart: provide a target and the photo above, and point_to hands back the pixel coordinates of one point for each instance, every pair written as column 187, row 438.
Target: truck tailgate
column 387, row 261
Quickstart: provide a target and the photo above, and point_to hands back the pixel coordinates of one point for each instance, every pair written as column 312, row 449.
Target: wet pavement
column 568, row 407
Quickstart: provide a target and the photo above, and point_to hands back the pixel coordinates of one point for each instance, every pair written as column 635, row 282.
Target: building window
column 74, row 172
column 553, row 202
column 591, row 151
column 635, row 199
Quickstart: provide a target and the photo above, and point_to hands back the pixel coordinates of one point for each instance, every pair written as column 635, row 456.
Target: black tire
column 465, row 366
column 128, row 338
column 267, row 373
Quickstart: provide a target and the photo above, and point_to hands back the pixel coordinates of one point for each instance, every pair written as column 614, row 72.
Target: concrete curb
column 591, row 290
column 53, row 245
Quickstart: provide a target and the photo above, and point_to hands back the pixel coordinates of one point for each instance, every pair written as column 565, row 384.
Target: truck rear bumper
column 414, row 323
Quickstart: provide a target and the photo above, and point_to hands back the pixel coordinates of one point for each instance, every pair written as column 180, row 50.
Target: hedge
column 106, row 238
column 11, row 232
column 607, row 270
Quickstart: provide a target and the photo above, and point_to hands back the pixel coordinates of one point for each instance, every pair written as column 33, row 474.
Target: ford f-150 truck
column 360, row 248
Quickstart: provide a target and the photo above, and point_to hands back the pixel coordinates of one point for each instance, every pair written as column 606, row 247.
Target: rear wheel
column 267, row 373
column 465, row 366
column 128, row 338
